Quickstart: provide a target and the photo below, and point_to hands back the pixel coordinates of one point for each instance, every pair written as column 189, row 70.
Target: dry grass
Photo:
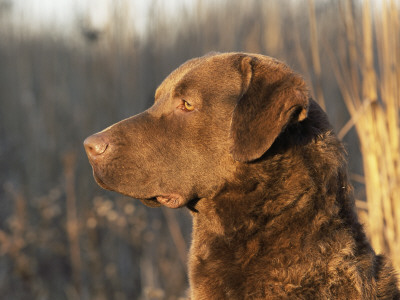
column 368, row 73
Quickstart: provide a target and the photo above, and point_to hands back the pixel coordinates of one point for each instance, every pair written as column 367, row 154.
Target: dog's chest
column 224, row 269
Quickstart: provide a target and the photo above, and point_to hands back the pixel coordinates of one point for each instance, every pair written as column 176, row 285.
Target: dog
column 235, row 138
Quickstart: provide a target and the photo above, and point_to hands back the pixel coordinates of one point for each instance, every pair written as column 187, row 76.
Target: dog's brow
column 180, row 89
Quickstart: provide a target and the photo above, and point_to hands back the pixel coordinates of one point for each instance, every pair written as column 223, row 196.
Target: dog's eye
column 187, row 106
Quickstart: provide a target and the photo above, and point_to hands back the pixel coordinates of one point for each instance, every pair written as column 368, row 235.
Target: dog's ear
column 272, row 97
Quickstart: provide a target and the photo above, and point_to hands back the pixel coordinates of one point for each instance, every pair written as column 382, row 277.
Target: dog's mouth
column 172, row 200
column 151, row 202
column 169, row 200
column 100, row 182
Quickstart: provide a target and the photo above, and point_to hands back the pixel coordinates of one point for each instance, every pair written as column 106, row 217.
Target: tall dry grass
column 368, row 73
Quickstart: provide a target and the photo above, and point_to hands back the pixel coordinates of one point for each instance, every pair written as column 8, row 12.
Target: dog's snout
column 95, row 145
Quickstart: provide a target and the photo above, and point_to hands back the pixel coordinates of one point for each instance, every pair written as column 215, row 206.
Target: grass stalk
column 72, row 220
column 372, row 98
column 315, row 54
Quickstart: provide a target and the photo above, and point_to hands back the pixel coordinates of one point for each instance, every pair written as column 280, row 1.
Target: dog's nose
column 95, row 145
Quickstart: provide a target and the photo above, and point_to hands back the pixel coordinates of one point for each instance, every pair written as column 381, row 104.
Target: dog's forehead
column 176, row 75
column 200, row 72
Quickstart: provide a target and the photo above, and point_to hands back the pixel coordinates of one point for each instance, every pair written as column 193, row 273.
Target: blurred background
column 71, row 68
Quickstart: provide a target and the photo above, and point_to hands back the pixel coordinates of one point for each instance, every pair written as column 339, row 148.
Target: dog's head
column 210, row 115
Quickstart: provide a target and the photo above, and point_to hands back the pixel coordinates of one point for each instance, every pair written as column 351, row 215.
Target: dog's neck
column 258, row 201
column 238, row 211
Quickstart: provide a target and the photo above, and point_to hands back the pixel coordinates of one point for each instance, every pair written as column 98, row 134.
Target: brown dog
column 235, row 138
